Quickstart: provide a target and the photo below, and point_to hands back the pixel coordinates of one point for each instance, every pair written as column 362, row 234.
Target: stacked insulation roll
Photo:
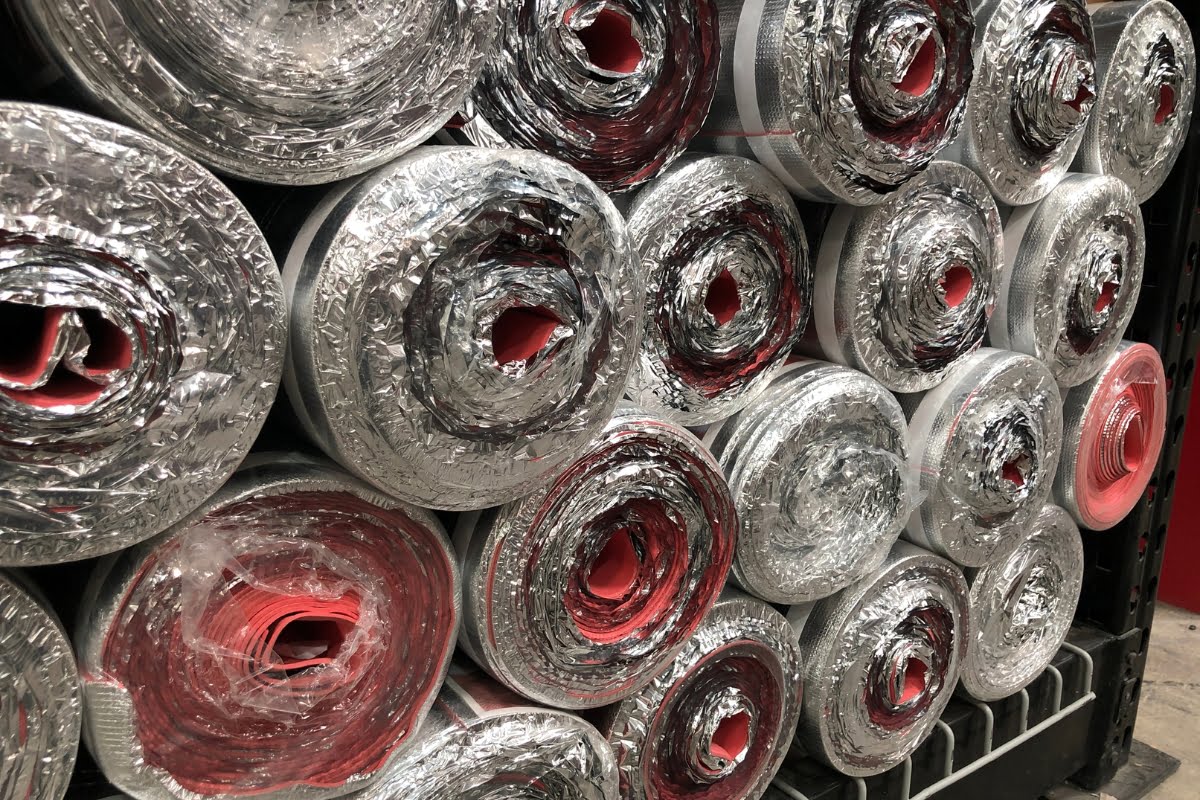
column 285, row 641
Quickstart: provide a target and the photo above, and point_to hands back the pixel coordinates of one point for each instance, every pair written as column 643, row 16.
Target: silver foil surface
column 1146, row 61
column 283, row 642
column 1075, row 264
column 844, row 100
column 904, row 290
column 728, row 287
column 463, row 322
column 718, row 722
column 268, row 90
column 40, row 703
column 985, row 446
column 817, row 467
column 142, row 322
column 578, row 594
column 882, row 659
column 1022, row 605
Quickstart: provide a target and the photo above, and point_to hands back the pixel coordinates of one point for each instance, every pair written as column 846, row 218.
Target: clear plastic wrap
column 285, row 641
column 143, row 326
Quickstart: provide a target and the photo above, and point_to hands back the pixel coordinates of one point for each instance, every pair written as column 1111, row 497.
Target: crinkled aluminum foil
column 905, row 289
column 143, row 326
column 1146, row 60
column 817, row 468
column 463, row 322
column 283, row 642
column 1034, row 89
column 882, row 659
column 40, row 704
column 616, row 88
column 578, row 594
column 1113, row 436
column 271, row 90
column 844, row 100
column 985, row 446
column 728, row 287
column 718, row 723
column 1022, row 605
column 1074, row 274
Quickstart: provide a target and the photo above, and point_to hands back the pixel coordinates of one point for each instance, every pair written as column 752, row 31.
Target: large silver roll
column 844, row 100
column 1033, row 93
column 463, row 322
column 40, row 703
column 728, row 287
column 817, row 468
column 905, row 289
column 985, row 446
column 279, row 92
column 719, row 721
column 284, row 642
column 882, row 659
column 142, row 322
column 1146, row 60
column 1022, row 605
column 1074, row 274
column 578, row 594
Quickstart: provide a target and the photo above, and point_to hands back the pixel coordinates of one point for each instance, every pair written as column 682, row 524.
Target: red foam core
column 615, row 569
column 1166, row 104
column 1108, row 293
column 1082, row 95
column 957, row 283
column 919, row 75
column 1012, row 473
column 723, row 300
column 1133, row 445
column 609, row 41
column 299, row 641
column 731, row 738
column 22, row 725
column 914, row 681
column 520, row 333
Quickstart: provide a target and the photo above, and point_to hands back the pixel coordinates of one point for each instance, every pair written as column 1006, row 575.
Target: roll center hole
column 731, row 739
column 520, row 333
column 615, row 568
column 609, row 41
column 723, row 300
column 1082, row 95
column 1108, row 293
column 919, row 76
column 1166, row 104
column 1133, row 445
column 1014, row 469
column 914, row 681
column 303, row 640
column 956, row 284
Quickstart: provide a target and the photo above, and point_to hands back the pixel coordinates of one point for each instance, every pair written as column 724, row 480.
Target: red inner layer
column 615, row 569
column 1012, row 472
column 732, row 737
column 1082, row 95
column 1166, row 104
column 919, row 76
column 1108, row 293
column 1133, row 445
column 914, row 681
column 957, row 283
column 723, row 300
column 520, row 333
column 305, row 641
column 609, row 41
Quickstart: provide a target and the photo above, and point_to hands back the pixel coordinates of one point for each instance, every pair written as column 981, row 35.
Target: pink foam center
column 1133, row 445
column 1012, row 473
column 609, row 41
column 723, row 300
column 956, row 283
column 1166, row 104
column 731, row 738
column 1108, row 293
column 919, row 76
column 914, row 681
column 520, row 333
column 615, row 568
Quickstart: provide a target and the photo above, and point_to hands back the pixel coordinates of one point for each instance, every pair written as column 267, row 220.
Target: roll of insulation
column 844, row 100
column 1146, row 60
column 1114, row 429
column 278, row 92
column 463, row 322
column 1074, row 274
column 817, row 468
column 283, row 642
column 985, row 446
column 905, row 289
column 142, row 329
column 40, row 704
column 718, row 722
column 882, row 659
column 1034, row 88
column 616, row 88
column 1022, row 605
column 728, row 287
column 578, row 594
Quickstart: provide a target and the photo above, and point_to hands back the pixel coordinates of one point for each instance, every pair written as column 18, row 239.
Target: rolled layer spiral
column 142, row 329
column 616, row 88
column 1075, row 266
column 40, row 702
column 985, row 447
column 882, row 659
column 1114, row 429
column 718, row 722
column 905, row 289
column 463, row 322
column 290, row 93
column 1146, row 61
column 844, row 100
column 728, row 287
column 817, row 468
column 1033, row 93
column 579, row 593
column 1022, row 605
column 284, row 642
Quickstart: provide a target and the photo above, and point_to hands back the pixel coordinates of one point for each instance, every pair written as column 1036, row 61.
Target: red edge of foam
column 919, row 75
column 732, row 737
column 615, row 569
column 723, row 300
column 520, row 333
column 609, row 41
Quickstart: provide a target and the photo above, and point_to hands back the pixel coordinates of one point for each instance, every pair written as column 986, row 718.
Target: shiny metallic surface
column 817, row 467
column 985, row 447
column 463, row 322
column 270, row 90
column 142, row 326
column 905, row 289
column 728, row 287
